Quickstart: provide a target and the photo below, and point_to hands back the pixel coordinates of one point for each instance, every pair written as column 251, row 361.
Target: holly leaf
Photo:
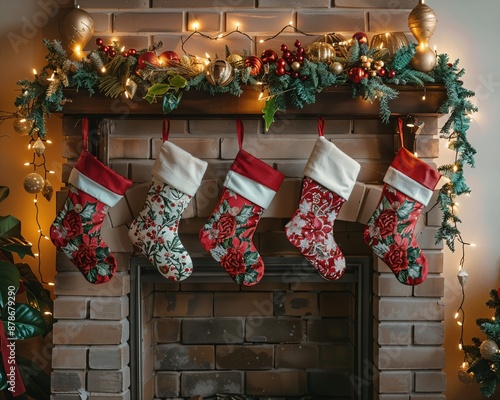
column 245, row 213
column 405, row 209
column 158, row 89
column 178, row 82
column 269, row 111
column 250, row 257
column 403, row 276
column 88, row 212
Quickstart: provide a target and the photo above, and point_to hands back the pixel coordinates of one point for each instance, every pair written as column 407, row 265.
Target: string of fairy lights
column 39, row 162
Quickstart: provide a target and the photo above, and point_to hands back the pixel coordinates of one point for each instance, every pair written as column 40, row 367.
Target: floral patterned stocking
column 176, row 178
column 94, row 188
column 409, row 183
column 329, row 178
column 249, row 187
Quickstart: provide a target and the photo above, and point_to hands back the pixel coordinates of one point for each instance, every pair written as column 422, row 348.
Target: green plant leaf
column 28, row 323
column 37, row 296
column 36, row 381
column 11, row 239
column 269, row 111
column 9, row 277
column 4, row 192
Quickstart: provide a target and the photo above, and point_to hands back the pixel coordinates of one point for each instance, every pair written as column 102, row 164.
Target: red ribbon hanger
column 165, row 130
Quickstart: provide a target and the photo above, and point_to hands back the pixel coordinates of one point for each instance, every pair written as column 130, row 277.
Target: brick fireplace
column 139, row 337
column 102, row 345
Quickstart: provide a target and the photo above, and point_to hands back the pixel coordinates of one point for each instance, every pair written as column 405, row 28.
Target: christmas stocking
column 408, row 186
column 176, row 177
column 329, row 177
column 249, row 187
column 94, row 188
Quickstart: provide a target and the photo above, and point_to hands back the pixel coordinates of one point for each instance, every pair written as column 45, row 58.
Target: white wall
column 469, row 31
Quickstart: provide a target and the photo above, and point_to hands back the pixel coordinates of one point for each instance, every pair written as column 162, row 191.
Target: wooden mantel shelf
column 332, row 102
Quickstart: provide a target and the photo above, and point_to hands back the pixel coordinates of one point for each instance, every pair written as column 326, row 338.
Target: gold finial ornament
column 422, row 22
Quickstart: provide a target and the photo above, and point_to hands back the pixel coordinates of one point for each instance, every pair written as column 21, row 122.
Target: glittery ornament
column 47, row 190
column 219, row 73
column 34, row 183
column 22, row 126
column 488, row 349
column 320, row 52
column 38, row 147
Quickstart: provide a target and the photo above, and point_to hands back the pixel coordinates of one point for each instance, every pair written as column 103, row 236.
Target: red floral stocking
column 329, row 178
column 77, row 228
column 408, row 187
column 249, row 187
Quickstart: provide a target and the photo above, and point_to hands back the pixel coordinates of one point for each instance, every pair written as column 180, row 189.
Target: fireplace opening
column 293, row 335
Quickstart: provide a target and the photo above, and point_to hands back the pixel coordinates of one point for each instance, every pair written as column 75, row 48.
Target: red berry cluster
column 290, row 61
column 110, row 50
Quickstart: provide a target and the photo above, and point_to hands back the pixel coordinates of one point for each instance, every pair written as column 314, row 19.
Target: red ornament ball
column 112, row 53
column 255, row 63
column 132, row 52
column 356, row 74
column 167, row 56
column 297, row 43
column 361, row 37
column 382, row 72
column 391, row 74
column 284, row 47
column 99, row 42
column 280, row 62
column 148, row 57
column 268, row 56
column 280, row 71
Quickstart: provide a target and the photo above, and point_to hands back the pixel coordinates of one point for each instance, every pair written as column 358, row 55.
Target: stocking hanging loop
column 321, row 126
column 400, row 131
column 85, row 132
column 165, row 129
column 241, row 132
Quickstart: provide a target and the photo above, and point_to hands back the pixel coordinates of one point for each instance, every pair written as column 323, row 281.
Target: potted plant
column 25, row 310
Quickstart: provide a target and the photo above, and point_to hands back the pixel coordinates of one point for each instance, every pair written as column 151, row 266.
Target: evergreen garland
column 476, row 368
column 44, row 94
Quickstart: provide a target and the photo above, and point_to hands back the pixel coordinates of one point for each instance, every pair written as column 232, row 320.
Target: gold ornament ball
column 463, row 375
column 424, row 59
column 295, row 65
column 391, row 41
column 234, row 58
column 336, row 68
column 22, row 126
column 488, row 349
column 219, row 73
column 34, row 183
column 320, row 52
column 77, row 29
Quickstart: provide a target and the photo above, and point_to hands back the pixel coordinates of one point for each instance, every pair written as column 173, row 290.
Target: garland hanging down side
column 289, row 80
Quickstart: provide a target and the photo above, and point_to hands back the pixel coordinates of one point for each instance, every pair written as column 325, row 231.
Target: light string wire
column 237, row 31
column 41, row 235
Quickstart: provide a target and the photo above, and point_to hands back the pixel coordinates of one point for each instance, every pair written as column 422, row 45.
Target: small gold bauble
column 295, row 65
column 34, row 183
column 336, row 68
column 488, row 349
column 320, row 52
column 219, row 73
column 234, row 58
column 23, row 126
column 463, row 375
column 391, row 41
column 424, row 59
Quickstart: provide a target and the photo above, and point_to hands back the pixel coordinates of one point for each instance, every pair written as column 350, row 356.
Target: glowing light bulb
column 27, row 163
column 48, row 141
column 456, row 315
column 50, row 283
column 78, row 49
column 34, row 71
column 36, row 254
column 290, row 23
column 122, row 49
column 460, row 346
column 415, row 154
column 195, row 26
column 220, row 36
column 455, row 168
column 459, row 323
column 52, row 172
column 103, row 70
column 237, row 26
column 423, row 97
column 260, row 95
column 261, row 41
column 47, row 313
column 35, row 201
